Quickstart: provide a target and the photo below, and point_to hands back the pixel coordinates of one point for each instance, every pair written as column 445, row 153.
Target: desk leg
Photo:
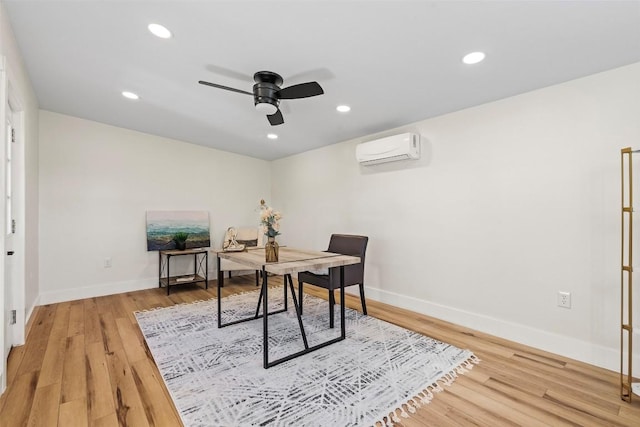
column 287, row 277
column 286, row 299
column 342, row 310
column 259, row 304
column 206, row 270
column 168, row 273
column 265, row 317
column 220, row 275
column 332, row 299
column 218, row 286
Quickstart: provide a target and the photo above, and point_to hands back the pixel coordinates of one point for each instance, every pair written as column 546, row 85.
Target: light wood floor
column 85, row 363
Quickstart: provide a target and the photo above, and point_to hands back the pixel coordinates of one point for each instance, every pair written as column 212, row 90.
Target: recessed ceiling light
column 473, row 57
column 272, row 136
column 159, row 31
column 130, row 95
column 343, row 108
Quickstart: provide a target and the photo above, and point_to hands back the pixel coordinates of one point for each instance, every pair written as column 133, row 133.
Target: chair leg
column 364, row 304
column 332, row 302
column 229, row 274
column 300, row 296
column 257, row 277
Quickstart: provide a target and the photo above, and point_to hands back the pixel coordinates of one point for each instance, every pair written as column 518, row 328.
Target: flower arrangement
column 269, row 219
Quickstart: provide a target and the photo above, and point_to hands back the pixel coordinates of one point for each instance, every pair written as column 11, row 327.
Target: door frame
column 18, row 285
column 3, row 131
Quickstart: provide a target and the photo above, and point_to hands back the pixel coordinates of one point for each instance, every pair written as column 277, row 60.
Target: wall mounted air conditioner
column 390, row 149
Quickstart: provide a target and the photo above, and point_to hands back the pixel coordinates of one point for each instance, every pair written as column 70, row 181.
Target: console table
column 200, row 268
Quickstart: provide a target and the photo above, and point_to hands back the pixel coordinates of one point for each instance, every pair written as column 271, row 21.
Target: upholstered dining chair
column 346, row 244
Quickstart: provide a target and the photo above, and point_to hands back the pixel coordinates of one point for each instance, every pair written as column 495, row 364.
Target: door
column 9, row 240
column 12, row 220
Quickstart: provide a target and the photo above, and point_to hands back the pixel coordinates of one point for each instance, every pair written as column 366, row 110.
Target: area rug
column 378, row 374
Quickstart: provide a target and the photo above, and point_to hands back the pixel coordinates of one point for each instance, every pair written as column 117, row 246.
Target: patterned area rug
column 380, row 373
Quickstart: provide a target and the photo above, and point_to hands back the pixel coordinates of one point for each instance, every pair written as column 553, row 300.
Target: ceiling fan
column 267, row 93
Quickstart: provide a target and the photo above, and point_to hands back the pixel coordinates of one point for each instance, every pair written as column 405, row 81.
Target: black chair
column 345, row 244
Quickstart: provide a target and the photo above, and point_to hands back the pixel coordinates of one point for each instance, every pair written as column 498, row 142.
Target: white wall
column 511, row 202
column 98, row 181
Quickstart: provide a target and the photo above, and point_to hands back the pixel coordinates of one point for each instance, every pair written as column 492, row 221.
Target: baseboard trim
column 604, row 357
column 100, row 290
column 28, row 317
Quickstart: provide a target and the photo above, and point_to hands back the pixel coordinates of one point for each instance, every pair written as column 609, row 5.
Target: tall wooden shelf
column 627, row 385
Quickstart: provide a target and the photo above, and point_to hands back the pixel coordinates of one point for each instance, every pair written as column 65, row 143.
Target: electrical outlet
column 564, row 299
column 107, row 262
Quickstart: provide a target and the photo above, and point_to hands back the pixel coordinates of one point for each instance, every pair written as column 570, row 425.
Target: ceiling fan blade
column 202, row 82
column 276, row 118
column 303, row 90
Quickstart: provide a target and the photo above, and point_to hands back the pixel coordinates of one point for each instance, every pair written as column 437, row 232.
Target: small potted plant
column 180, row 239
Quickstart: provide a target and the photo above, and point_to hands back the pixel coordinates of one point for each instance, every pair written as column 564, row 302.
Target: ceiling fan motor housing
column 265, row 93
column 266, row 88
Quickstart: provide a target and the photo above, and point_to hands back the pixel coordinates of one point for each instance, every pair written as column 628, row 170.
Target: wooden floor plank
column 111, row 339
column 462, row 411
column 73, row 413
column 36, row 345
column 100, row 402
column 129, row 408
column 132, row 340
column 92, row 330
column 76, row 318
column 151, row 388
column 564, row 416
column 110, row 420
column 128, row 306
column 46, row 404
column 54, row 355
column 19, row 399
column 94, row 368
column 580, row 406
column 15, row 359
column 74, row 374
column 508, row 410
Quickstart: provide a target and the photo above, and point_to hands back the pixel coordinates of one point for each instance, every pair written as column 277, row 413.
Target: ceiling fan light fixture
column 267, row 93
column 266, row 108
column 159, row 31
column 473, row 58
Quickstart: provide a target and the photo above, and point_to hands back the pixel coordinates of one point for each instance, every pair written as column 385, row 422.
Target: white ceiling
column 393, row 62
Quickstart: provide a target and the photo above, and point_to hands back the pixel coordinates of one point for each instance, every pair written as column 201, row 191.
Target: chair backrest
column 248, row 236
column 349, row 244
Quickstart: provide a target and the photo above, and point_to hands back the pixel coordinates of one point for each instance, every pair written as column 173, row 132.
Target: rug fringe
column 199, row 301
column 425, row 396
column 170, row 306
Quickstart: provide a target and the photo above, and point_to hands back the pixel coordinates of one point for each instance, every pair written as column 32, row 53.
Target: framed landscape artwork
column 162, row 226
